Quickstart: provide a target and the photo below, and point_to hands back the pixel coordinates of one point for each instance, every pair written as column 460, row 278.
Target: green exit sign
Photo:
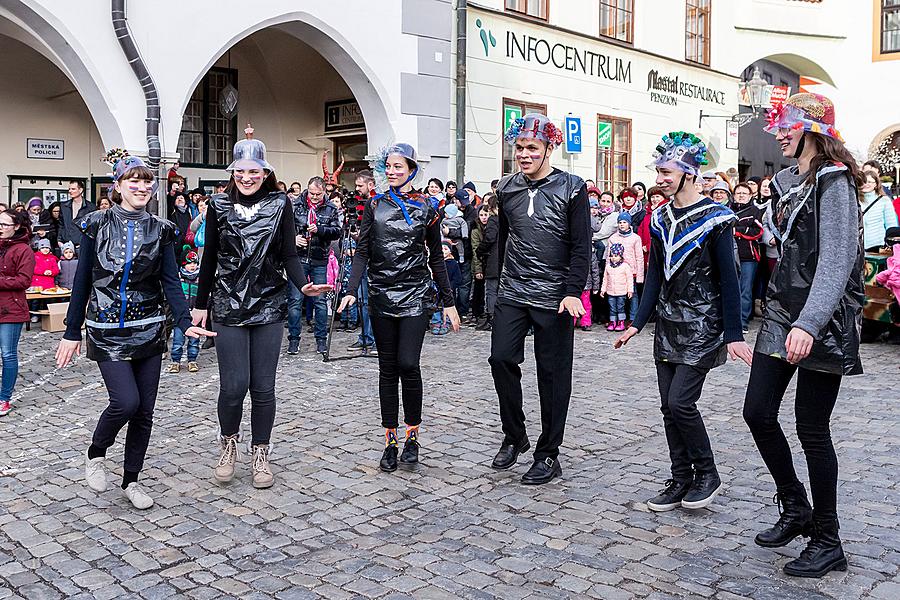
column 604, row 134
column 510, row 114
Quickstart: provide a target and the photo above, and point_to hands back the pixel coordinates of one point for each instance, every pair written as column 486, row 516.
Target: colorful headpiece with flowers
column 684, row 150
column 534, row 126
column 806, row 111
column 121, row 162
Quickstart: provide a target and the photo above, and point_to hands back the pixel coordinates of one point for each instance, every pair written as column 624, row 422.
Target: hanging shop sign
column 343, row 115
column 778, row 95
column 48, row 149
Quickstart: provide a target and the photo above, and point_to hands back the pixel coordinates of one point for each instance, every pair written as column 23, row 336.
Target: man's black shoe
column 509, row 453
column 208, row 343
column 542, row 471
column 388, row 462
column 320, row 346
column 357, row 345
column 704, row 489
column 409, row 458
column 293, row 346
column 671, row 496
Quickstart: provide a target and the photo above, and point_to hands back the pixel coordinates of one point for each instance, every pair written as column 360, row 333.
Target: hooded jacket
column 16, row 270
column 794, row 221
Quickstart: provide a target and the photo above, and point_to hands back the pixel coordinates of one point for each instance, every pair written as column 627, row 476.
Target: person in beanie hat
column 618, row 284
column 545, row 247
column 126, row 274
column 46, row 266
column 68, row 266
column 811, row 325
column 633, row 254
column 692, row 284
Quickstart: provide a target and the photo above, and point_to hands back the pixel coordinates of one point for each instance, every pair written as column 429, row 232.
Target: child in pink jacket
column 46, row 266
column 618, row 284
column 633, row 255
column 890, row 277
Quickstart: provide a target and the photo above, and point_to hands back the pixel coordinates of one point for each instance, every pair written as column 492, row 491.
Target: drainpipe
column 120, row 26
column 461, row 31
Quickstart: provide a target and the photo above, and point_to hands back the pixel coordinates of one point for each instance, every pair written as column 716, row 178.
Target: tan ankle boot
column 225, row 468
column 262, row 475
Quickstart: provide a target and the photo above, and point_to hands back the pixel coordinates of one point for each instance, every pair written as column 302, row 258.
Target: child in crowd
column 629, row 202
column 456, row 230
column 618, row 284
column 188, row 274
column 46, row 266
column 633, row 255
column 591, row 286
column 68, row 264
column 439, row 325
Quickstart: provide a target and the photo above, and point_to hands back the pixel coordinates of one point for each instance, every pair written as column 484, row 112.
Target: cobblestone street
column 334, row 526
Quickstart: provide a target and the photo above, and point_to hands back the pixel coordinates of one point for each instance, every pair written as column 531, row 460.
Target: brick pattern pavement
column 335, row 527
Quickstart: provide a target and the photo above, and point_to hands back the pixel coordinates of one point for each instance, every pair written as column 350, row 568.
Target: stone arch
column 30, row 24
column 802, row 65
column 338, row 51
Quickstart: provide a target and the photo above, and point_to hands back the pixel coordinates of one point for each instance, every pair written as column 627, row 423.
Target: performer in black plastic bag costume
column 400, row 243
column 126, row 266
column 545, row 245
column 250, row 244
column 692, row 283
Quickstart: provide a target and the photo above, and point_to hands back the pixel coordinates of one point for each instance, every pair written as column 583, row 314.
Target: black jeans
column 132, row 387
column 816, row 395
column 554, row 336
column 679, row 389
column 248, row 358
column 399, row 342
column 478, row 297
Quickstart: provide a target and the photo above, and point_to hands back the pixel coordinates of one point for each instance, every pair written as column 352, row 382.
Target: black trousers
column 248, row 359
column 132, row 387
column 815, row 399
column 554, row 336
column 477, row 297
column 679, row 389
column 399, row 342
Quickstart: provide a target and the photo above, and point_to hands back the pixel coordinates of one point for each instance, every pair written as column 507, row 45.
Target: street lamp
column 755, row 90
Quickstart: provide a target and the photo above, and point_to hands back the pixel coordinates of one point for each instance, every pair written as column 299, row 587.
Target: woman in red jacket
column 16, row 269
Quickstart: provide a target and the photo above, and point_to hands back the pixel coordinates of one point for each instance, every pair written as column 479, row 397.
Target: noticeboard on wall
column 23, row 188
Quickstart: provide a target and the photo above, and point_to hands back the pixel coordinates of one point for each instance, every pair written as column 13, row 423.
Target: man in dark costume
column 545, row 242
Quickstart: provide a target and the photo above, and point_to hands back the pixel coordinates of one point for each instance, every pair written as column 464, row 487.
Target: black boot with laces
column 388, row 462
column 795, row 518
column 822, row 554
column 409, row 458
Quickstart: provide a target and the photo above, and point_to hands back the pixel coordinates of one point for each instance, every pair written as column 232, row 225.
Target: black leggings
column 132, row 387
column 248, row 358
column 399, row 342
column 813, row 404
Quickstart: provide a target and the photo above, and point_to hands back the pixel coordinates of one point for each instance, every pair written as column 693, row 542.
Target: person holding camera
column 318, row 225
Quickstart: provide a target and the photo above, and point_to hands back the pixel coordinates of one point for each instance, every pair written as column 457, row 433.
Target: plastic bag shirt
column 536, row 263
column 125, row 315
column 399, row 278
column 690, row 324
column 250, row 287
column 794, row 222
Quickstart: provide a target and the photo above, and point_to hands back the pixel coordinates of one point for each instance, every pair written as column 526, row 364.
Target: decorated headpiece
column 806, row 111
column 684, row 150
column 121, row 162
column 534, row 126
column 250, row 149
column 332, row 178
column 617, row 250
column 379, row 163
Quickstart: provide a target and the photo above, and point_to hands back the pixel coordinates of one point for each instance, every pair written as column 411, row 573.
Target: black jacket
column 748, row 230
column 328, row 226
column 794, row 221
column 69, row 228
column 488, row 251
column 182, row 222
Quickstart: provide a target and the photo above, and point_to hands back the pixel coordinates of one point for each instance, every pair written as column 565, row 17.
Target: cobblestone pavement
column 335, row 527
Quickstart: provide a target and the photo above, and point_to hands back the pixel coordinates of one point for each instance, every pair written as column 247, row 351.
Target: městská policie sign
column 48, row 149
column 667, row 89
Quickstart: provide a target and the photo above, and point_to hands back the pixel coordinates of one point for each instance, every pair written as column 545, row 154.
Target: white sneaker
column 95, row 473
column 138, row 497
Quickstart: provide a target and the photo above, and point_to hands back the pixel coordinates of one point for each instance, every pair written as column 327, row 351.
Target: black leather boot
column 822, row 554
column 795, row 519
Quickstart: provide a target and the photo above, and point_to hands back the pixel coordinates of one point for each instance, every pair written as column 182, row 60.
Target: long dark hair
column 828, row 149
column 269, row 185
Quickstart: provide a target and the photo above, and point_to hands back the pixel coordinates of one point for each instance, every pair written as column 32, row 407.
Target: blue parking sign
column 573, row 135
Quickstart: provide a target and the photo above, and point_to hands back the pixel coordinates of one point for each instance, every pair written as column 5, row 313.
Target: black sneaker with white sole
column 705, row 488
column 671, row 496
